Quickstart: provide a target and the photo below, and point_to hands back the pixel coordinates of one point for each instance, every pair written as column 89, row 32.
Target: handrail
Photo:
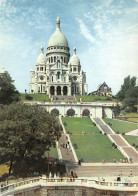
column 43, row 181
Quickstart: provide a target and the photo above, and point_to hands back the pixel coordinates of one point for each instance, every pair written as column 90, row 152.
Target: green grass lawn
column 77, row 125
column 95, row 148
column 52, row 153
column 36, row 97
column 3, row 169
column 89, row 98
column 133, row 117
column 132, row 140
column 121, row 126
column 91, row 147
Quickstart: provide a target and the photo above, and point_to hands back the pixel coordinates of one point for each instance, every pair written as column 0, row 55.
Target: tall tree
column 128, row 94
column 26, row 132
column 8, row 92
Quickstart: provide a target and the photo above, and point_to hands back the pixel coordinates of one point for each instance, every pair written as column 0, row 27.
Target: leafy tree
column 8, row 92
column 26, row 132
column 128, row 94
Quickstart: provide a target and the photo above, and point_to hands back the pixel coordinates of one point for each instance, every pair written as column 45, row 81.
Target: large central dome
column 58, row 38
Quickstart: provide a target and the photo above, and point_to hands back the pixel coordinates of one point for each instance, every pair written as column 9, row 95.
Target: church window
column 41, row 68
column 61, row 47
column 64, row 59
column 64, row 79
column 54, row 47
column 74, row 69
column 52, row 78
column 58, row 74
column 51, row 59
column 71, row 69
column 54, row 59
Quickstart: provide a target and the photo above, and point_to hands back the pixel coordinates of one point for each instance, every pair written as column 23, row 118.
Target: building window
column 51, row 59
column 58, row 74
column 52, row 78
column 41, row 68
column 74, row 69
column 37, row 68
column 64, row 59
column 54, row 59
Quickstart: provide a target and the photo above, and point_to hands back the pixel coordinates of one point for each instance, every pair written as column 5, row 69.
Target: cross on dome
column 74, row 49
column 58, row 23
column 42, row 49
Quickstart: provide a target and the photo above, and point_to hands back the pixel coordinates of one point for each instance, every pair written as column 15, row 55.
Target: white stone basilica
column 57, row 73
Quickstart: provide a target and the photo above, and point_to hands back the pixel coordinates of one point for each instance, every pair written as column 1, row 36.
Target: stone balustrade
column 77, row 182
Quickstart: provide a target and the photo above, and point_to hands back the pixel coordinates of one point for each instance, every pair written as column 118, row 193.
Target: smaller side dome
column 74, row 60
column 41, row 58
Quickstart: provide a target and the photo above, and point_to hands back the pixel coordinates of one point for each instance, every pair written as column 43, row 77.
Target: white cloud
column 86, row 32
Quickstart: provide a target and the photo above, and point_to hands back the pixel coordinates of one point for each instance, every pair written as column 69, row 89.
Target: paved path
column 121, row 142
column 104, row 171
column 134, row 132
column 67, row 154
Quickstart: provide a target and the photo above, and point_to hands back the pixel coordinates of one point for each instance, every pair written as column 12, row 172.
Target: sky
column 105, row 33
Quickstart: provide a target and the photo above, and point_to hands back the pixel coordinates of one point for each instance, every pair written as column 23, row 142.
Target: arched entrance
column 59, row 90
column 86, row 112
column 55, row 112
column 70, row 112
column 65, row 90
column 52, row 90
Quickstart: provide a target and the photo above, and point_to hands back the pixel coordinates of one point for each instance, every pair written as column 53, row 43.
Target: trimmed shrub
column 75, row 146
column 123, row 133
column 117, row 132
column 113, row 144
column 133, row 144
column 28, row 97
column 105, row 133
column 100, row 132
column 94, row 123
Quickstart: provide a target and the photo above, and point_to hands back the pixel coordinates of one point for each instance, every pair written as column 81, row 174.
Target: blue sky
column 105, row 33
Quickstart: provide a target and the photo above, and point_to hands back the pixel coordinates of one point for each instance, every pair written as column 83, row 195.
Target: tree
column 128, row 94
column 26, row 132
column 8, row 92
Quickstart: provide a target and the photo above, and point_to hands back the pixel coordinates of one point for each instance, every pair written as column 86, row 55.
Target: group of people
column 63, row 145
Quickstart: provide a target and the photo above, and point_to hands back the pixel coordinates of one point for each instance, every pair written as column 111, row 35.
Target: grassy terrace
column 121, row 126
column 132, row 117
column 36, row 97
column 89, row 98
column 132, row 140
column 52, row 153
column 92, row 147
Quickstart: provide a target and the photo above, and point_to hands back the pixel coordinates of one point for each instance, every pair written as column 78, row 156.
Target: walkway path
column 66, row 152
column 118, row 139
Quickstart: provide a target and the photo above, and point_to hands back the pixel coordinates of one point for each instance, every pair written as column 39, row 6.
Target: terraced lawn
column 77, row 125
column 95, row 148
column 36, row 97
column 52, row 153
column 132, row 140
column 121, row 126
column 89, row 98
column 92, row 147
column 3, row 169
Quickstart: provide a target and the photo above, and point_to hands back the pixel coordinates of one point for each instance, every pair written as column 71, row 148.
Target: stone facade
column 57, row 73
